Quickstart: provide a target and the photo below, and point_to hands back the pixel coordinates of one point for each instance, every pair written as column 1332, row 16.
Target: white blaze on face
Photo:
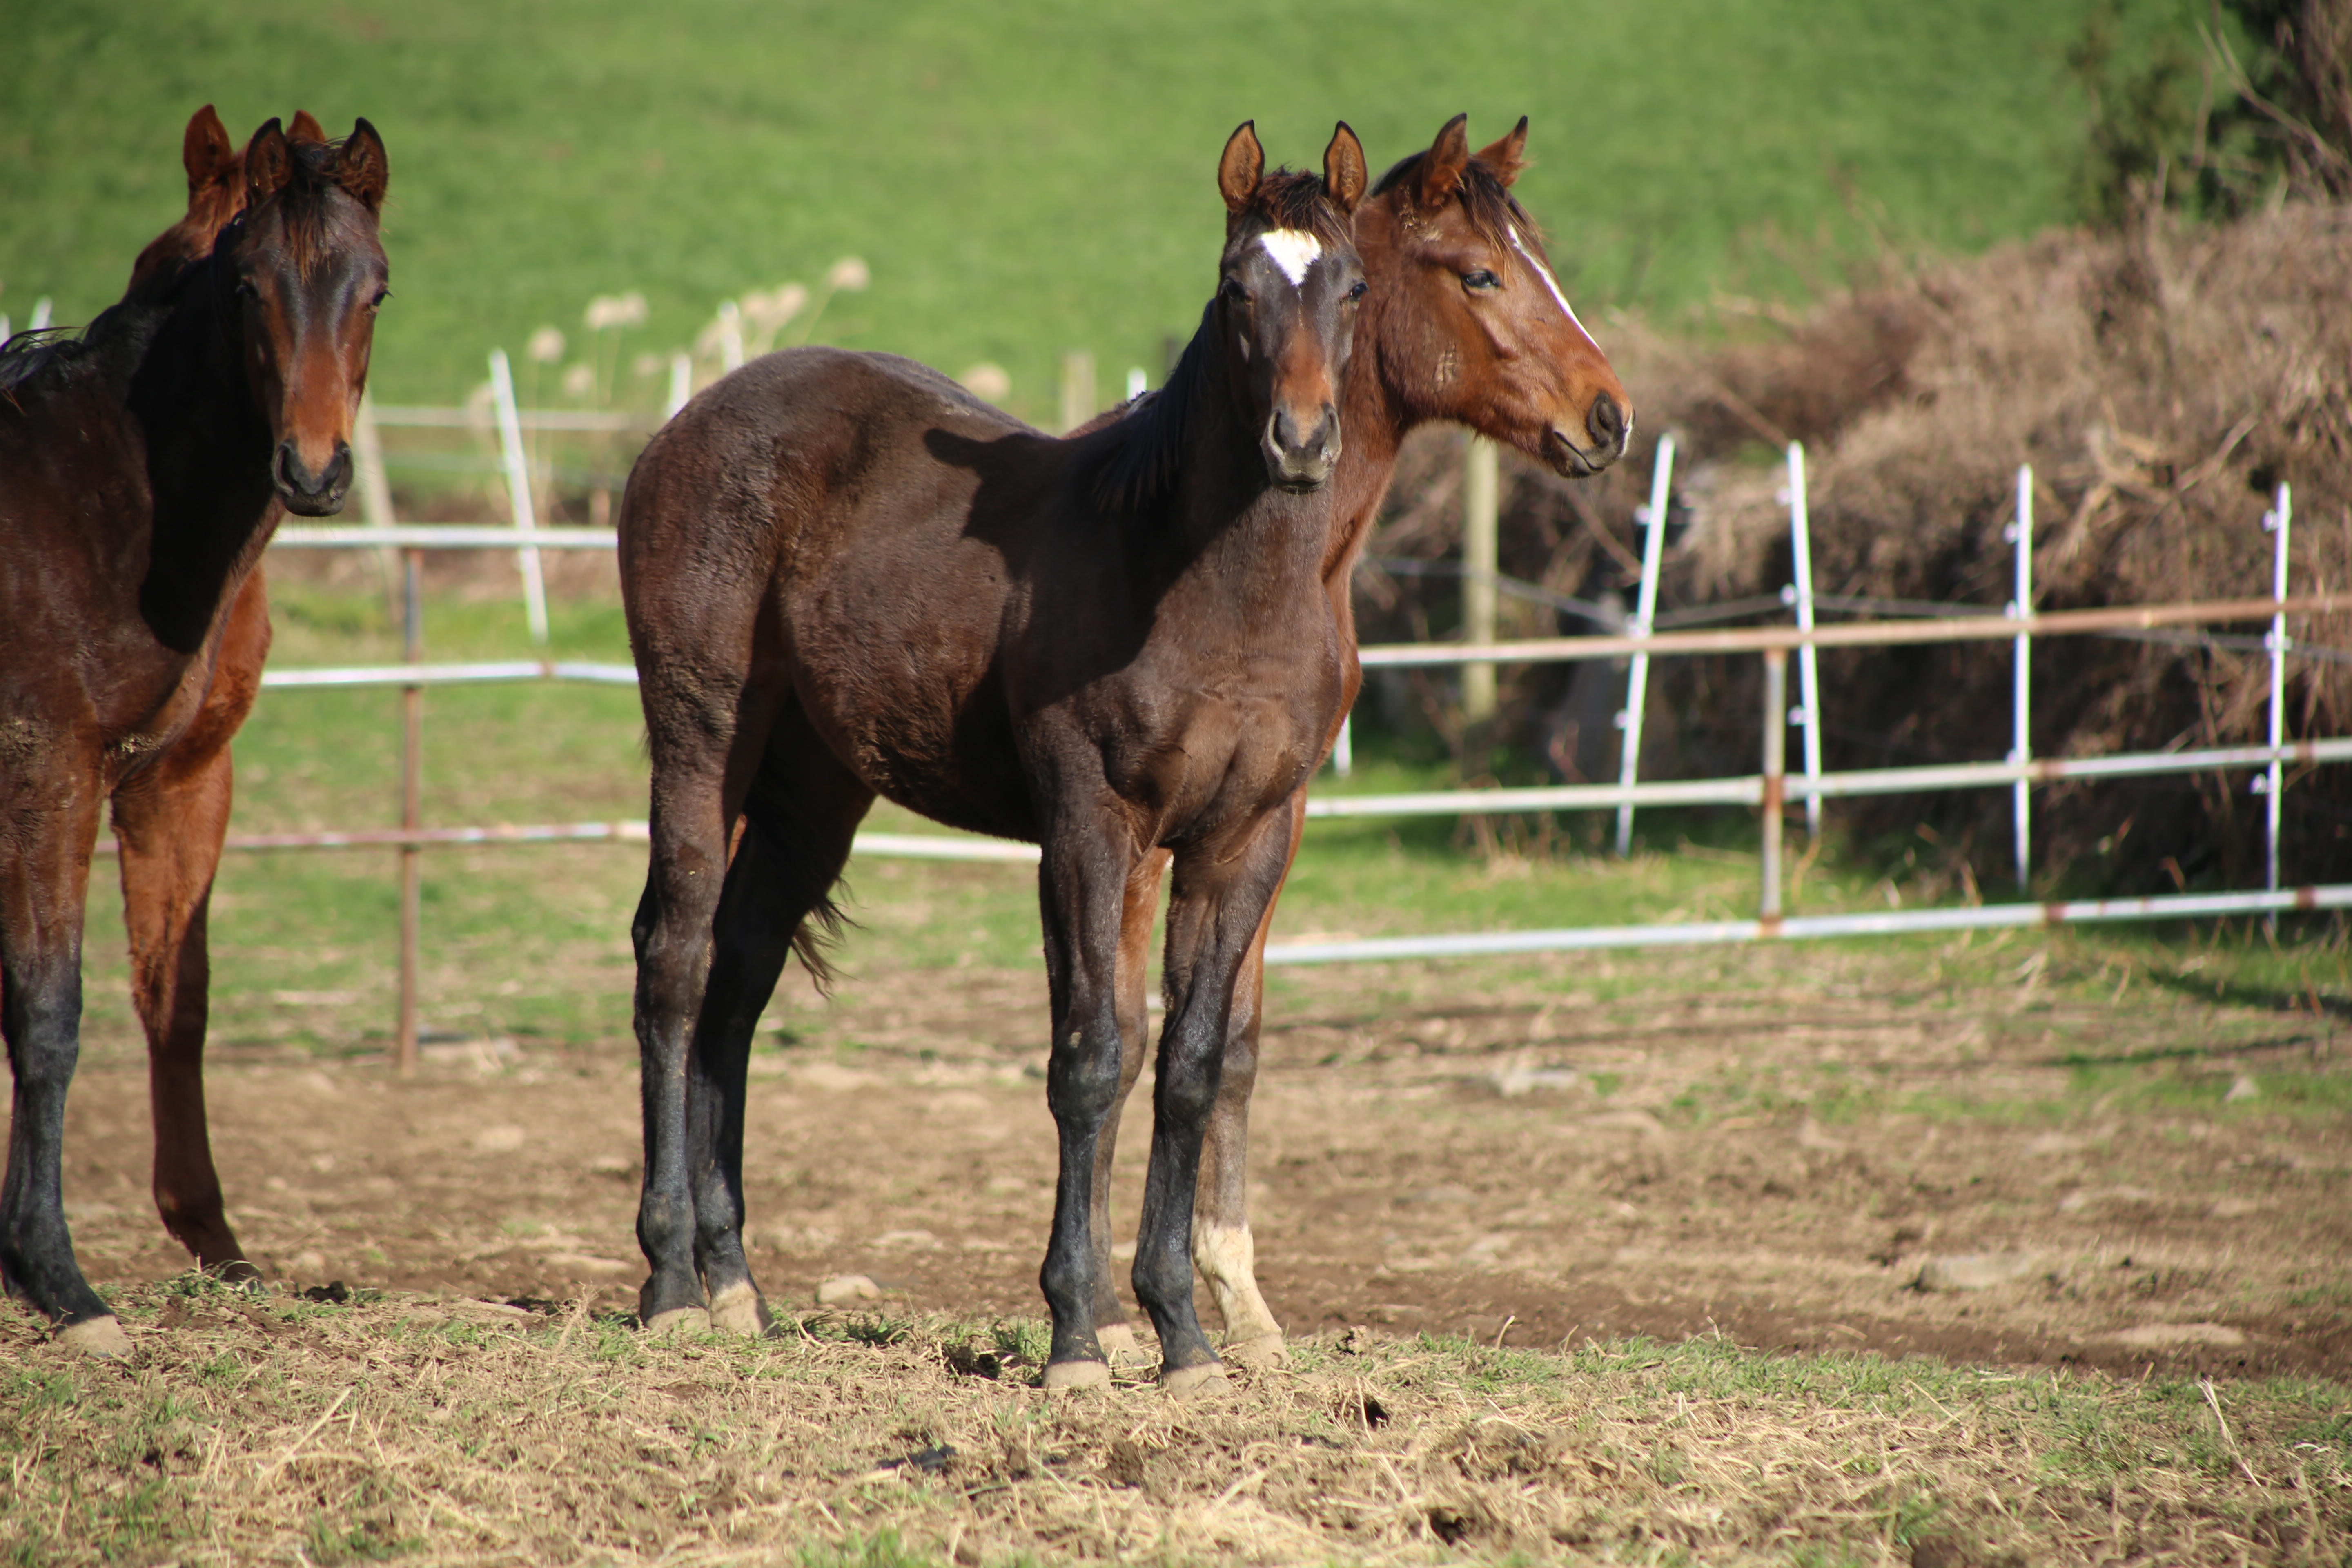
column 1553, row 284
column 1293, row 250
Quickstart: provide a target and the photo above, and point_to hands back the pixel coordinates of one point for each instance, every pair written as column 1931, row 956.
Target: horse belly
column 920, row 717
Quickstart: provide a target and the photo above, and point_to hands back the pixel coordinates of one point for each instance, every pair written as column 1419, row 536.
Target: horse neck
column 211, row 507
column 1374, row 419
column 1224, row 518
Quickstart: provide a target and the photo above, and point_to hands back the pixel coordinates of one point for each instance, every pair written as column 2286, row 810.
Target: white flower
column 848, row 273
column 648, row 364
column 772, row 310
column 580, row 380
column 616, row 310
column 987, row 382
column 546, row 346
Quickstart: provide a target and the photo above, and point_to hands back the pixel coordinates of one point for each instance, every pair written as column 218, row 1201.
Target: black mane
column 57, row 349
column 1145, row 447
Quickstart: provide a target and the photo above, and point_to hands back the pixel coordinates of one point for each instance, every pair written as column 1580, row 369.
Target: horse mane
column 29, row 354
column 304, row 211
column 1485, row 200
column 1144, row 447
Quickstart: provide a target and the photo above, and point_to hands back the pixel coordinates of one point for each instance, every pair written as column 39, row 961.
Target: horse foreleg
column 1214, row 913
column 170, row 821
column 44, row 879
column 171, row 828
column 1141, row 904
column 1222, row 1248
column 1081, row 900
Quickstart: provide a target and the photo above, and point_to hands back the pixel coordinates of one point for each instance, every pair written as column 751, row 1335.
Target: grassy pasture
column 1025, row 180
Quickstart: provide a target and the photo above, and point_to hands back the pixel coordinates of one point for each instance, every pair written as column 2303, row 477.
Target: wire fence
column 1648, row 635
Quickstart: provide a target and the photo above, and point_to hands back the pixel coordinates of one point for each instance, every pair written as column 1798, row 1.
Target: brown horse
column 1465, row 321
column 142, row 468
column 845, row 577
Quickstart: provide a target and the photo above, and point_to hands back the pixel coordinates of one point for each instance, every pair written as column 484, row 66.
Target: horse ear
column 1241, row 168
column 1502, row 158
column 1344, row 178
column 1441, row 171
column 205, row 151
column 268, row 163
column 360, row 167
column 305, row 128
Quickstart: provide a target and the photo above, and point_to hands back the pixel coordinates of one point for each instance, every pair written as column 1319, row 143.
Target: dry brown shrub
column 2161, row 381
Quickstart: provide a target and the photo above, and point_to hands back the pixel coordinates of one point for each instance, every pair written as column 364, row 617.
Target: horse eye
column 1234, row 294
column 245, row 291
column 1359, row 291
column 1481, row 282
column 380, row 296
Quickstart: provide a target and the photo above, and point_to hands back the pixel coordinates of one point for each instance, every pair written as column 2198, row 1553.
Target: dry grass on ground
column 399, row 1427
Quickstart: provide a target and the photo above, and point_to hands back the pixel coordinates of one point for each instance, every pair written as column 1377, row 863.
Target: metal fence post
column 412, row 790
column 1776, row 781
column 1077, row 390
column 681, row 386
column 1637, row 684
column 1481, row 480
column 375, row 489
column 518, row 501
column 1809, row 668
column 2020, row 742
column 2274, row 779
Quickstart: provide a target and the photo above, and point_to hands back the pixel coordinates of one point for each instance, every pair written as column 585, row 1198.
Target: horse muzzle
column 1608, row 425
column 305, row 493
column 1299, row 463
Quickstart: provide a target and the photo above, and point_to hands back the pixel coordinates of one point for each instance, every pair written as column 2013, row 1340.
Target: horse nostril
column 1607, row 421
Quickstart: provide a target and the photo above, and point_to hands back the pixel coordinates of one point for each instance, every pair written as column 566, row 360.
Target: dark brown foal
column 846, row 576
column 1465, row 321
column 142, row 468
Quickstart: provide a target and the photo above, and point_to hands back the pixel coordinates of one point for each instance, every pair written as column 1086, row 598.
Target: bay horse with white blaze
column 1464, row 321
column 845, row 576
column 142, row 468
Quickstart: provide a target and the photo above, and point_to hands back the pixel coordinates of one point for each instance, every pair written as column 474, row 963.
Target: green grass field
column 1024, row 181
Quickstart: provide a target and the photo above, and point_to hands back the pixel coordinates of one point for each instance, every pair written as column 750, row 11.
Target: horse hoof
column 1258, row 1353
column 102, row 1337
column 1118, row 1341
column 1068, row 1376
column 236, row 1271
column 738, row 1310
column 1192, row 1382
column 677, row 1320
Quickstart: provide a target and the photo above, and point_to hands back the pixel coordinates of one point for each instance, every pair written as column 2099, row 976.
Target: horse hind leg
column 1223, row 1251
column 673, row 939
column 800, row 819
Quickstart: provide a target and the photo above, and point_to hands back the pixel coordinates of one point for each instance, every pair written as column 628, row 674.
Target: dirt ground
column 1777, row 1156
